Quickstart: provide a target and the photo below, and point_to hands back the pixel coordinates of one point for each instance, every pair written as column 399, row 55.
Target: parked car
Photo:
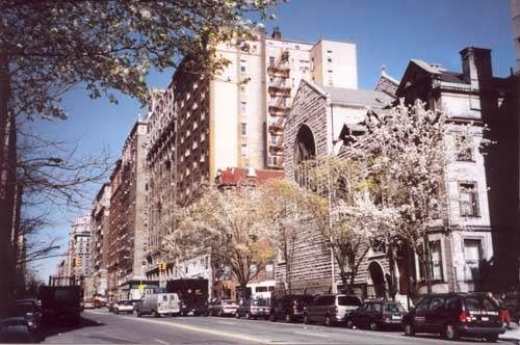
column 15, row 330
column 123, row 306
column 30, row 311
column 455, row 314
column 88, row 304
column 376, row 315
column 330, row 309
column 253, row 309
column 289, row 307
column 222, row 307
column 159, row 304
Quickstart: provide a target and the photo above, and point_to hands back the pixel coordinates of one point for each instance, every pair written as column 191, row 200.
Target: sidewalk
column 512, row 334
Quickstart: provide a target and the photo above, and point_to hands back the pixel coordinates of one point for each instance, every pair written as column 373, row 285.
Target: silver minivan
column 330, row 309
column 159, row 304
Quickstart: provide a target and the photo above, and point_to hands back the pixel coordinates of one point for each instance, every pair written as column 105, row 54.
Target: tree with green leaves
column 229, row 225
column 49, row 47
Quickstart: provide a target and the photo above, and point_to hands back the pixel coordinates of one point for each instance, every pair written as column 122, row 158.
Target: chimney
column 277, row 34
column 476, row 66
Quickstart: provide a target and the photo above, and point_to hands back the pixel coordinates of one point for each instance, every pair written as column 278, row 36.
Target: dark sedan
column 376, row 315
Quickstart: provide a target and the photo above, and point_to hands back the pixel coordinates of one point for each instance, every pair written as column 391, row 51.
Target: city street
column 100, row 327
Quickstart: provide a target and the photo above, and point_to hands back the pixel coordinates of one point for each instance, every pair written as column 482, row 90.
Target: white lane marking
column 161, row 341
column 205, row 330
column 227, row 322
column 312, row 334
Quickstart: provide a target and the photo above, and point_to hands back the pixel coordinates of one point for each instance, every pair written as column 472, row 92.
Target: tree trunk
column 7, row 181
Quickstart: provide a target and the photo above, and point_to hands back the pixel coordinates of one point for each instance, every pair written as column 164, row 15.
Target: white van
column 159, row 304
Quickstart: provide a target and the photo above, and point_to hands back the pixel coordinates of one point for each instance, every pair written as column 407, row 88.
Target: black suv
column 289, row 307
column 376, row 315
column 455, row 314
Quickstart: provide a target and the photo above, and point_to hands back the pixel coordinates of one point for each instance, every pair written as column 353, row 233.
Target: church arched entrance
column 378, row 279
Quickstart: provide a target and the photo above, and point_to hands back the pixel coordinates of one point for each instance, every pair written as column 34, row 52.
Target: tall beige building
column 79, row 246
column 200, row 127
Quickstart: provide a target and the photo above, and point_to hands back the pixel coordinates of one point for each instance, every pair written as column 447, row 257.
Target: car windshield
column 394, row 307
column 349, row 300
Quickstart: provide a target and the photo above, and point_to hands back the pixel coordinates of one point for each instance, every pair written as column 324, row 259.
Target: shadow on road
column 63, row 327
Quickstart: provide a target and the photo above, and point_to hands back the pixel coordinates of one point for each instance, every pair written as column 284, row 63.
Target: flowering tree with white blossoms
column 284, row 206
column 345, row 211
column 229, row 224
column 408, row 154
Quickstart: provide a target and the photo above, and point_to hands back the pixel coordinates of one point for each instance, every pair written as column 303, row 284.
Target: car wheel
column 306, row 319
column 139, row 314
column 248, row 316
column 350, row 323
column 373, row 326
column 450, row 332
column 219, row 314
column 116, row 311
column 156, row 314
column 492, row 338
column 288, row 317
column 328, row 321
column 409, row 331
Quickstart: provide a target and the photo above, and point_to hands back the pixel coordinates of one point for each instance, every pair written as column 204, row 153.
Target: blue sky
column 387, row 33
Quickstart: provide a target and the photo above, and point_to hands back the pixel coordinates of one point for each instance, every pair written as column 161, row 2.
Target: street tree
column 284, row 205
column 345, row 211
column 227, row 224
column 408, row 151
column 49, row 47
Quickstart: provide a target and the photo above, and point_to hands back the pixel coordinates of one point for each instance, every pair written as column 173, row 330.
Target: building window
column 468, row 199
column 243, row 150
column 243, row 107
column 243, row 66
column 243, row 128
column 436, row 260
column 271, row 61
column 463, row 147
column 253, row 270
column 472, row 255
column 269, row 271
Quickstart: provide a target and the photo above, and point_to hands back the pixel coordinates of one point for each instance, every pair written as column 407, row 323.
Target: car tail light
column 463, row 317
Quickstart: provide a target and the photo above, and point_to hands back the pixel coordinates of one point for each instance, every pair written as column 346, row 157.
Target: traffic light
column 76, row 262
column 163, row 266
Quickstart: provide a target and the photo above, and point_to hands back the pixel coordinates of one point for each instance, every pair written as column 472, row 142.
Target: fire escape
column 280, row 93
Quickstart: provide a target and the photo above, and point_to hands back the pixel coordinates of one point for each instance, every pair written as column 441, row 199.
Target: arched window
column 304, row 150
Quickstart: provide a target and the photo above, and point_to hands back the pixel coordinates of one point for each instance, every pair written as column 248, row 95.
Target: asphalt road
column 101, row 327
